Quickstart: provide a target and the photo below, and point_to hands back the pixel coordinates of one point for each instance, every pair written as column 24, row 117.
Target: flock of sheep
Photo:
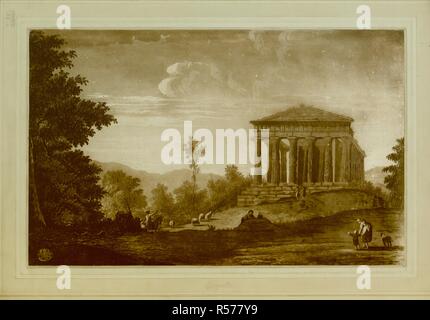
column 196, row 221
column 202, row 217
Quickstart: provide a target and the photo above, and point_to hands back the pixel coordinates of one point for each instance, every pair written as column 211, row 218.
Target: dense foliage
column 223, row 192
column 162, row 200
column 63, row 182
column 122, row 194
column 188, row 200
column 394, row 181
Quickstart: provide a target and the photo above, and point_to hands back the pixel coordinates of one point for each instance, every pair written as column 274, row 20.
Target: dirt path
column 325, row 241
column 319, row 241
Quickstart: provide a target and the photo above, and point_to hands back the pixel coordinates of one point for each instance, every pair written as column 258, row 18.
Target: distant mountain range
column 175, row 178
column 376, row 176
column 172, row 179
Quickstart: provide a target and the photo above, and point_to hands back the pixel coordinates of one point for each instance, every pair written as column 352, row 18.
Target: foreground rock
column 256, row 225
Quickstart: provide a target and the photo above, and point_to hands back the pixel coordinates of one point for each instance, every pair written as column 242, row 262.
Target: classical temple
column 308, row 146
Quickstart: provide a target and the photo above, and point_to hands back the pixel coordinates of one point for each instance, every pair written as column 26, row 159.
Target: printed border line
column 238, row 23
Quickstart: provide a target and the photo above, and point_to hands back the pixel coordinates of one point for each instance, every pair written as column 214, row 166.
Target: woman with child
column 363, row 234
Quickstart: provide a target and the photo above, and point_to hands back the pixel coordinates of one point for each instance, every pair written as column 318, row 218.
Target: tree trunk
column 34, row 198
column 194, row 177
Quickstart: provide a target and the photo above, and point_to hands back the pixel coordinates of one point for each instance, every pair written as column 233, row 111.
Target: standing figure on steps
column 297, row 193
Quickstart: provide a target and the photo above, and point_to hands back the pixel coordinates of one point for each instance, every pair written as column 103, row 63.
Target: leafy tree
column 236, row 179
column 162, row 199
column 223, row 192
column 197, row 150
column 70, row 188
column 189, row 199
column 217, row 191
column 62, row 179
column 394, row 181
column 122, row 193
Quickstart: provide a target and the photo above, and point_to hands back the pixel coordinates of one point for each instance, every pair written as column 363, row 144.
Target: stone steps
column 268, row 193
column 258, row 194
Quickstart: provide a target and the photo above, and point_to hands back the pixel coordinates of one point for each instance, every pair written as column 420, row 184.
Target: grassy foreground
column 316, row 241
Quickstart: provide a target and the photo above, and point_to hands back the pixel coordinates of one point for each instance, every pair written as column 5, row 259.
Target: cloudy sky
column 154, row 80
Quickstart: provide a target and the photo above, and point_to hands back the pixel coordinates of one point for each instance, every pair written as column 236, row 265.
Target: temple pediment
column 303, row 114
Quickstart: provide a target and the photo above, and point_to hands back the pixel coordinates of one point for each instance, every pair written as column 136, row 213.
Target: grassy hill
column 322, row 204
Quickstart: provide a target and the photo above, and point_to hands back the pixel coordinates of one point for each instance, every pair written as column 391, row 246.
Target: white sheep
column 194, row 221
column 208, row 215
column 201, row 217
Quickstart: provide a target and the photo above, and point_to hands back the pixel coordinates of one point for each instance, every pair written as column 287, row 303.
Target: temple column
column 258, row 178
column 328, row 170
column 310, row 156
column 303, row 162
column 346, row 159
column 270, row 160
column 343, row 162
column 274, row 154
column 292, row 163
column 334, row 159
column 283, row 170
column 321, row 151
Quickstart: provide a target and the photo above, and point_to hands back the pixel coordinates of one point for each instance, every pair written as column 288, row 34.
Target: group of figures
column 152, row 222
column 362, row 236
column 251, row 215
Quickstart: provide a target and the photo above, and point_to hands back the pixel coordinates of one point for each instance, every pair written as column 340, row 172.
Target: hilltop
column 148, row 181
column 376, row 176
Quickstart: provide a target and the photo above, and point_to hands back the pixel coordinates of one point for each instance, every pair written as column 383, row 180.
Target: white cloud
column 198, row 80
